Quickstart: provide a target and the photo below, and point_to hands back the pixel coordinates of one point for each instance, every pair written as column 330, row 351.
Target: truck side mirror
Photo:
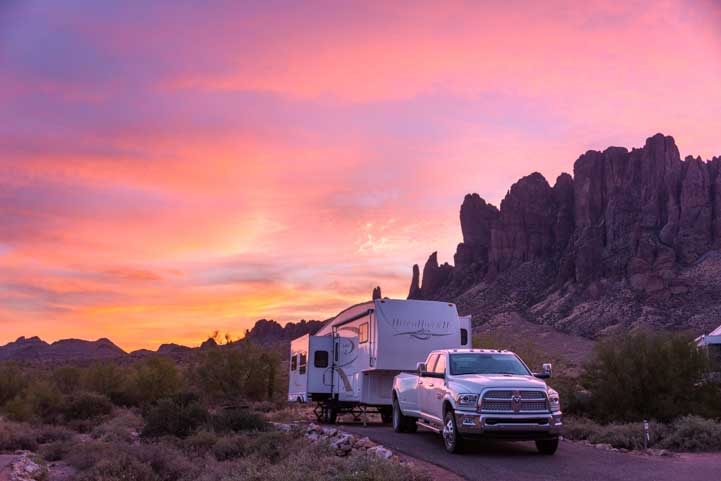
column 546, row 371
column 421, row 368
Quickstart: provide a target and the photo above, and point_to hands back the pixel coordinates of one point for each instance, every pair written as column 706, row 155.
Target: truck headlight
column 554, row 402
column 467, row 400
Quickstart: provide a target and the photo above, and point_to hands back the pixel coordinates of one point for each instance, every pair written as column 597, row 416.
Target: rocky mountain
column 632, row 239
column 269, row 332
column 34, row 348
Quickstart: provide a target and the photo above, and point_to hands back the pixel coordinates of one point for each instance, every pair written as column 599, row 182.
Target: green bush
column 17, row 436
column 57, row 450
column 239, row 371
column 237, row 420
column 693, row 433
column 12, row 382
column 648, row 376
column 123, row 468
column 67, row 379
column 106, row 378
column 86, row 405
column 178, row 415
column 155, row 378
column 229, row 447
column 627, row 436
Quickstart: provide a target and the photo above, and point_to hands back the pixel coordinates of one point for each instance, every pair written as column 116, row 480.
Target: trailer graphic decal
column 422, row 334
column 343, row 377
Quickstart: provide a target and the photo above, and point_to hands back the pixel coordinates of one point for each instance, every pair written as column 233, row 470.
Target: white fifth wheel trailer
column 348, row 366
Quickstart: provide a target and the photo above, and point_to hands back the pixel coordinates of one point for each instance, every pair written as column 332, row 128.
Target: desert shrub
column 627, row 436
column 86, row 405
column 639, row 376
column 200, row 443
column 229, row 447
column 48, row 433
column 270, row 445
column 40, row 402
column 693, row 433
column 237, row 420
column 106, row 378
column 91, row 454
column 166, row 461
column 240, row 371
column 17, row 436
column 155, row 378
column 123, row 427
column 178, row 415
column 66, row 379
column 123, row 468
column 12, row 382
column 57, row 450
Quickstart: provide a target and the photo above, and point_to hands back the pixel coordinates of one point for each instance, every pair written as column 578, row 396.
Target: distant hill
column 270, row 332
column 264, row 332
column 34, row 348
column 631, row 240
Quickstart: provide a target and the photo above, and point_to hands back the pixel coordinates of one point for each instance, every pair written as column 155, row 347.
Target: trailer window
column 363, row 333
column 464, row 337
column 320, row 359
column 302, row 363
column 293, row 362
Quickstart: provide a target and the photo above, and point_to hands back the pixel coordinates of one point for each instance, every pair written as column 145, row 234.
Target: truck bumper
column 509, row 426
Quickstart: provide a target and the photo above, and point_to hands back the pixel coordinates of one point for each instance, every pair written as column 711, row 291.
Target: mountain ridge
column 266, row 332
column 629, row 241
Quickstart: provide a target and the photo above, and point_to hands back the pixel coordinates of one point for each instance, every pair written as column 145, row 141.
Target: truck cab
column 471, row 393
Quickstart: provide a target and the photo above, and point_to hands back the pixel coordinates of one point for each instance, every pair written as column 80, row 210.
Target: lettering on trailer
column 420, row 328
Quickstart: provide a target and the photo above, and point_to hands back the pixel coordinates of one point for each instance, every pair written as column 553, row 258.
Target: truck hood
column 475, row 383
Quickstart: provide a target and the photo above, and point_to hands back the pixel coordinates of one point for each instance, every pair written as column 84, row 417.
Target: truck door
column 425, row 387
column 438, row 390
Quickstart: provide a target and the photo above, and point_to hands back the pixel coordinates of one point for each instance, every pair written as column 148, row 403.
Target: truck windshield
column 486, row 363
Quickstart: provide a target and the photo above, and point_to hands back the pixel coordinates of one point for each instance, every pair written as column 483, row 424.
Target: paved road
column 520, row 461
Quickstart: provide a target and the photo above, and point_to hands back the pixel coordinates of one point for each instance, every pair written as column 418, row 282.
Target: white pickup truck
column 467, row 393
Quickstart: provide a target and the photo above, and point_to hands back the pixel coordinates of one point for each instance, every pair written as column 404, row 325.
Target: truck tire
column 547, row 446
column 452, row 440
column 401, row 423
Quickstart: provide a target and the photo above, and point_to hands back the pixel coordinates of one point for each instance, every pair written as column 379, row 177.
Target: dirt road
column 520, row 461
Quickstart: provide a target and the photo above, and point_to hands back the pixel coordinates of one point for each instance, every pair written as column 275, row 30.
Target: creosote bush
column 179, row 415
column 649, row 376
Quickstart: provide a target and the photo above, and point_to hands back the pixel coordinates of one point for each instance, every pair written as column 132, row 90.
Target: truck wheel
column 547, row 446
column 451, row 437
column 398, row 419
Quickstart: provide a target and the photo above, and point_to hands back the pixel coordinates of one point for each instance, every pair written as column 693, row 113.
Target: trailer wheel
column 386, row 414
column 332, row 414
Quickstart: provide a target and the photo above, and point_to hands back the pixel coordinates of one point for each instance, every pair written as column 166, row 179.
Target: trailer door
column 320, row 369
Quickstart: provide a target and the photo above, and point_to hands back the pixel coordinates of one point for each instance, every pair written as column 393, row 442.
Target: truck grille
column 508, row 401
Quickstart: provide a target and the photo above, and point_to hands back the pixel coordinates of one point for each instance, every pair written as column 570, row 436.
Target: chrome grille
column 502, row 401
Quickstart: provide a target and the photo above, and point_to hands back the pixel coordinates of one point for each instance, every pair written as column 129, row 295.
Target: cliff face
column 615, row 246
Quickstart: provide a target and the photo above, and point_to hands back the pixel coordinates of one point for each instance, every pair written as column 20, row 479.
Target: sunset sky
column 170, row 168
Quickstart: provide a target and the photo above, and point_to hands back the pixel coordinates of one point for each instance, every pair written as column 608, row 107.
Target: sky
column 172, row 168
